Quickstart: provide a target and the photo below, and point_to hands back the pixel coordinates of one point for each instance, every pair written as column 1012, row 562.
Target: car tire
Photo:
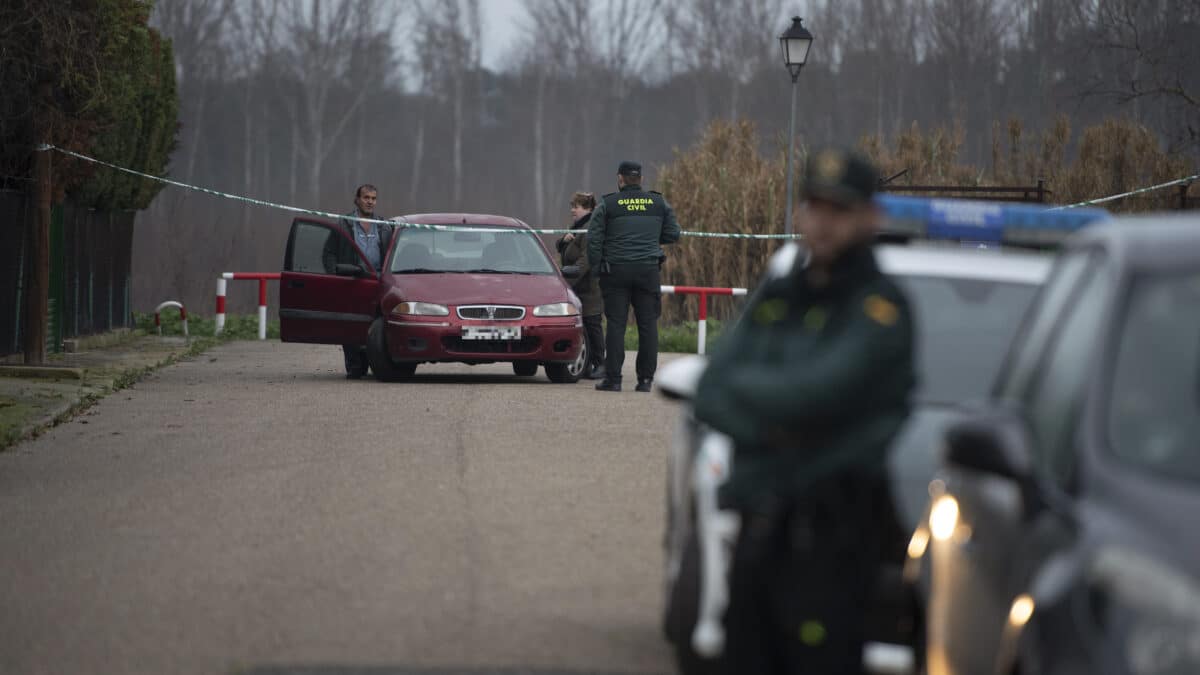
column 525, row 368
column 579, row 367
column 569, row 373
column 683, row 608
column 560, row 373
column 385, row 369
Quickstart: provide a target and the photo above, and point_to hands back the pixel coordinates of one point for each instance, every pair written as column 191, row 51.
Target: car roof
column 461, row 219
column 1149, row 240
column 957, row 262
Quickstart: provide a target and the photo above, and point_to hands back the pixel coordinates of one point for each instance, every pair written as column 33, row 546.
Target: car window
column 1154, row 397
column 1030, row 343
column 1055, row 397
column 467, row 250
column 307, row 250
column 963, row 328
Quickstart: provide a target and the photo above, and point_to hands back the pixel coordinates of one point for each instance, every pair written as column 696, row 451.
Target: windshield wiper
column 487, row 270
column 425, row 270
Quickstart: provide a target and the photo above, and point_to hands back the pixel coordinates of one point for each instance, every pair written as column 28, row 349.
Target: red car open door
column 328, row 292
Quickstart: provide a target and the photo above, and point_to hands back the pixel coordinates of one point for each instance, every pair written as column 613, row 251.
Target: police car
column 1059, row 537
column 970, row 270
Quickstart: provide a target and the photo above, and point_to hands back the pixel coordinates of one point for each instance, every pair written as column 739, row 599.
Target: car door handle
column 295, row 284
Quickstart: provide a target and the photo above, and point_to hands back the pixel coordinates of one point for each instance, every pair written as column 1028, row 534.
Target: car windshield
column 963, row 329
column 478, row 249
column 1154, row 401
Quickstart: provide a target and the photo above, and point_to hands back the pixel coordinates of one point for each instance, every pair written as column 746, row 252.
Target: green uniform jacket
column 629, row 227
column 811, row 381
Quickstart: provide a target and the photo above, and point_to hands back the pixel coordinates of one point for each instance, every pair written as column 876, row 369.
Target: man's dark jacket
column 587, row 286
column 629, row 226
column 812, row 381
column 339, row 250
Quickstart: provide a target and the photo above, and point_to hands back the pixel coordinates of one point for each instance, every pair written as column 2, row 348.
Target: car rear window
column 1154, row 399
column 963, row 329
column 470, row 249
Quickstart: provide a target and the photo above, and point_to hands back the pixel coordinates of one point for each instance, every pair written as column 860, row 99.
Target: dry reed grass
column 725, row 184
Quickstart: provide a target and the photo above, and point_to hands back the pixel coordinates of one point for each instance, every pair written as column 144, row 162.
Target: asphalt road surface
column 253, row 511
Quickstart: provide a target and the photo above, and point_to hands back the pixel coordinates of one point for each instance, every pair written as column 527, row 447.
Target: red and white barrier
column 703, row 292
column 182, row 315
column 262, row 278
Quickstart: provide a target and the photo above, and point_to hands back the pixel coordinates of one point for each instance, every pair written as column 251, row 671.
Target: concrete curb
column 36, row 398
column 42, row 372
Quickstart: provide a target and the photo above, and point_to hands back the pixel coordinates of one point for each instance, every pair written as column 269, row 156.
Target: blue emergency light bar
column 984, row 222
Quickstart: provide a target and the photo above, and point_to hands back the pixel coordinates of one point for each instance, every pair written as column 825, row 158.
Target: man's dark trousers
column 355, row 357
column 623, row 285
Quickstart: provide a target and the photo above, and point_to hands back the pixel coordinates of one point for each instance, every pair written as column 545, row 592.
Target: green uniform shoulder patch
column 881, row 310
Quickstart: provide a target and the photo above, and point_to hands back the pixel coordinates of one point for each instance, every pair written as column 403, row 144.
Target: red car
column 482, row 290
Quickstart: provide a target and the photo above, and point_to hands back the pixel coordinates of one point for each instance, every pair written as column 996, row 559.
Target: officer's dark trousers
column 802, row 580
column 636, row 285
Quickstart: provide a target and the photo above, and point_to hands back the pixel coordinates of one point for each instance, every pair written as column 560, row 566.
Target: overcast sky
column 501, row 25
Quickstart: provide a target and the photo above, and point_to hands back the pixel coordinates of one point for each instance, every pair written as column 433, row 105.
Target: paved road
column 252, row 510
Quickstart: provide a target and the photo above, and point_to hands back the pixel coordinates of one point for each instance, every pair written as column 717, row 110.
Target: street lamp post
column 795, row 42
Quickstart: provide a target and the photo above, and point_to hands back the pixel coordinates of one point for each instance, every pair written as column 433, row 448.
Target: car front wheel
column 561, row 373
column 385, row 369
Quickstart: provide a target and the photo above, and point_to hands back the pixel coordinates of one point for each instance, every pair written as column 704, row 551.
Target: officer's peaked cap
column 840, row 177
column 631, row 169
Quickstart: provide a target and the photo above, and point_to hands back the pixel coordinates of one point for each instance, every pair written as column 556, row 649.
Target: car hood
column 915, row 455
column 480, row 289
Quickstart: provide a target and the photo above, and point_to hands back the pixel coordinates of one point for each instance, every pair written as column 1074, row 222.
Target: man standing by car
column 812, row 384
column 624, row 238
column 372, row 239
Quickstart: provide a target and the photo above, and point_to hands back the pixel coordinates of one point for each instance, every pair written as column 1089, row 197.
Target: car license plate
column 491, row 332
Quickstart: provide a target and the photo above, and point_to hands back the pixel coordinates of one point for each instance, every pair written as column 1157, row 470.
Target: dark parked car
column 455, row 287
column 1060, row 538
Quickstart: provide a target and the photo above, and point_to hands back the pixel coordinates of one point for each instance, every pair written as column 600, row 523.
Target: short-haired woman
column 573, row 248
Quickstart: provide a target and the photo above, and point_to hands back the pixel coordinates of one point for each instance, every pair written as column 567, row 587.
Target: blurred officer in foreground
column 625, row 236
column 811, row 385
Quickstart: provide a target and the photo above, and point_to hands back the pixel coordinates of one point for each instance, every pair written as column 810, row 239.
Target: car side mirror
column 994, row 443
column 350, row 270
column 571, row 272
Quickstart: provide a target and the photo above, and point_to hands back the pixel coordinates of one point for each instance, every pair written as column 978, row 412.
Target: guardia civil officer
column 625, row 236
column 812, row 384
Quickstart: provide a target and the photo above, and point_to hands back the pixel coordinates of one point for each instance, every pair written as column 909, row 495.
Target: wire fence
column 90, row 270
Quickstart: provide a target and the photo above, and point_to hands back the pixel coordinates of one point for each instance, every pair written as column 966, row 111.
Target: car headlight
column 421, row 309
column 556, row 309
column 1155, row 608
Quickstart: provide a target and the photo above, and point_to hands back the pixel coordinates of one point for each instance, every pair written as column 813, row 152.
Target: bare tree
column 450, row 27
column 1148, row 52
column 336, row 52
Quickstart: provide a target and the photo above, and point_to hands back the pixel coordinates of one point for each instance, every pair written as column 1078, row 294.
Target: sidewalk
column 35, row 398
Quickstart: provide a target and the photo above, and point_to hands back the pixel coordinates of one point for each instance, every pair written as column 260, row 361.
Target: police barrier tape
column 327, row 214
column 262, row 278
column 1104, row 200
column 1036, row 221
